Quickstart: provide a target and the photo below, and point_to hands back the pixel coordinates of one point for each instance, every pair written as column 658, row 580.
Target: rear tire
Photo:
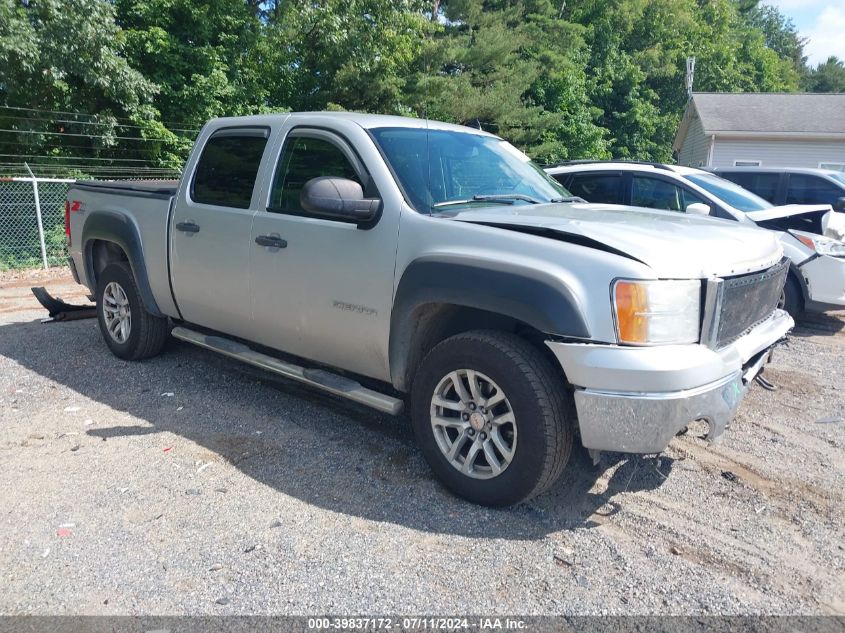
column 465, row 432
column 130, row 332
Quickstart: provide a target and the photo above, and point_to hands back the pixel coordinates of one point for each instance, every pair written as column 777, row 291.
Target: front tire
column 491, row 417
column 130, row 332
column 792, row 299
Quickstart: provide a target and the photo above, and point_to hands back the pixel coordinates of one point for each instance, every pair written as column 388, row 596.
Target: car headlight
column 821, row 244
column 657, row 312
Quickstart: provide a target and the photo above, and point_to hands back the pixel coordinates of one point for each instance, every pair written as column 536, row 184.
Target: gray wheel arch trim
column 537, row 299
column 118, row 228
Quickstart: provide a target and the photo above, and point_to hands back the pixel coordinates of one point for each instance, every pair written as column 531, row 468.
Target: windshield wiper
column 569, row 199
column 503, row 198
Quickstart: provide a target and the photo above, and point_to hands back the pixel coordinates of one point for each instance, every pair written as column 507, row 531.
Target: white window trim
column 832, row 165
column 747, row 162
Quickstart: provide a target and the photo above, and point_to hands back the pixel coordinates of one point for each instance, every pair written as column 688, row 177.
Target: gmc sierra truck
column 404, row 263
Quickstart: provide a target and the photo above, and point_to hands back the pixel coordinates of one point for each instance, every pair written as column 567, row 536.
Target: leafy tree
column 352, row 54
column 204, row 56
column 637, row 59
column 779, row 34
column 68, row 56
column 828, row 76
column 511, row 67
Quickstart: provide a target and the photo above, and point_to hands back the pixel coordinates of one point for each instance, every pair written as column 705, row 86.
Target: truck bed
column 143, row 210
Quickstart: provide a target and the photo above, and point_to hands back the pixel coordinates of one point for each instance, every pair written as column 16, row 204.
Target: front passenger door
column 657, row 193
column 325, row 292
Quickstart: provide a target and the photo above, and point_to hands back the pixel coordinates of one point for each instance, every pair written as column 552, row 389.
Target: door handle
column 272, row 241
column 187, row 227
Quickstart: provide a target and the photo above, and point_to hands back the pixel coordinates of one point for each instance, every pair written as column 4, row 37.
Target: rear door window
column 806, row 189
column 226, row 171
column 597, row 187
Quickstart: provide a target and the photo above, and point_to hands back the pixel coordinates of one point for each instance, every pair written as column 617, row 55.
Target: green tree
column 779, row 34
column 351, row 54
column 204, row 56
column 68, row 56
column 637, row 59
column 512, row 67
column 828, row 76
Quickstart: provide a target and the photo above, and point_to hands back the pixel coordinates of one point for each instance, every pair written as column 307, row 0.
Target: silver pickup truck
column 406, row 263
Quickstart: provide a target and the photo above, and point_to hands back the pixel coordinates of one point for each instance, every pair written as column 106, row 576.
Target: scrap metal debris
column 61, row 311
column 765, row 384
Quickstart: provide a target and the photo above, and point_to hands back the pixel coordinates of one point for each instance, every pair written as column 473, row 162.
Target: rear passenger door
column 210, row 231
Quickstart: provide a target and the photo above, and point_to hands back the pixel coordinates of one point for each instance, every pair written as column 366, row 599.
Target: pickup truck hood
column 673, row 245
column 828, row 222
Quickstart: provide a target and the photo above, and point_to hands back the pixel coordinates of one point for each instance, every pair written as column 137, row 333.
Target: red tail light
column 67, row 221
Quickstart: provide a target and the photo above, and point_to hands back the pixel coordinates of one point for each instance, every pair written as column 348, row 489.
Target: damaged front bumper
column 824, row 277
column 635, row 400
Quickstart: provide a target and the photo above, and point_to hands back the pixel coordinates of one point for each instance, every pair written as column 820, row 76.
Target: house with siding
column 762, row 129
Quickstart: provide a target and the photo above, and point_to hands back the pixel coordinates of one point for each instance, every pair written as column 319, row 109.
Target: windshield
column 730, row 193
column 442, row 169
column 838, row 177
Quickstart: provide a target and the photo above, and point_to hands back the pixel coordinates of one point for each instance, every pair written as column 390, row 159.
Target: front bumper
column 635, row 400
column 825, row 279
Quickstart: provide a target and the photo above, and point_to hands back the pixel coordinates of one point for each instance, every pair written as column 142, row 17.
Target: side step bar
column 319, row 378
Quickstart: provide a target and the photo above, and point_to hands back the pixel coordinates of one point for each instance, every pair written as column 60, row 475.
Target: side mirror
column 338, row 198
column 839, row 205
column 698, row 208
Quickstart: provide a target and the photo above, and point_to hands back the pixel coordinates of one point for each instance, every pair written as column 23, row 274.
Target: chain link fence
column 32, row 222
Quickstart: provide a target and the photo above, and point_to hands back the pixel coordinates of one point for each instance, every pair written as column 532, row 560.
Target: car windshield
column 730, row 193
column 444, row 169
column 840, row 178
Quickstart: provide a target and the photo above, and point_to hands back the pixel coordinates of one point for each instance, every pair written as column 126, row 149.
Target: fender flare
column 532, row 297
column 118, row 228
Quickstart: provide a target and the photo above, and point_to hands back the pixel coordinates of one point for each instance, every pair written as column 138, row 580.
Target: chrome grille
column 736, row 304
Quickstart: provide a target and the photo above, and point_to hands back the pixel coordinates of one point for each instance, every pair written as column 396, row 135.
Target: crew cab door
column 210, row 231
column 322, row 288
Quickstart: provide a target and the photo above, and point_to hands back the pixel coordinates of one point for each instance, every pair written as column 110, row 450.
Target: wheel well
column 435, row 322
column 104, row 253
column 794, row 276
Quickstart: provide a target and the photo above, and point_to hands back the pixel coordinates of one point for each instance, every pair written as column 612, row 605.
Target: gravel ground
column 190, row 484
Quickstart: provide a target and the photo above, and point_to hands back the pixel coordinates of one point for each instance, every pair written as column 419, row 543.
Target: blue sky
column 822, row 21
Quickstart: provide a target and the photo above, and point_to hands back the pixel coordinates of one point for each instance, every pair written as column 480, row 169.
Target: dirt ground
column 190, row 484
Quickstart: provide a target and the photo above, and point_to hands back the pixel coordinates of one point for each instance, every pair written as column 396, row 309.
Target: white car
column 811, row 235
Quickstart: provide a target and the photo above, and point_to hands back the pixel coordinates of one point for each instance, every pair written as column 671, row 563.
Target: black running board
column 317, row 378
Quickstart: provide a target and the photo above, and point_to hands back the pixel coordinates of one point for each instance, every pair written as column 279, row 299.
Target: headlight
column 657, row 312
column 822, row 245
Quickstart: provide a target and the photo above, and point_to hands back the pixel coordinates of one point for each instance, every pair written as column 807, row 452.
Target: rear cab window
column 228, row 166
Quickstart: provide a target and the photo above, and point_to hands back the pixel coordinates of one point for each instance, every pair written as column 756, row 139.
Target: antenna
column 690, row 75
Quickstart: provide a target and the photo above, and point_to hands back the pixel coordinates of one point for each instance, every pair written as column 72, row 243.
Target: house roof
column 766, row 114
